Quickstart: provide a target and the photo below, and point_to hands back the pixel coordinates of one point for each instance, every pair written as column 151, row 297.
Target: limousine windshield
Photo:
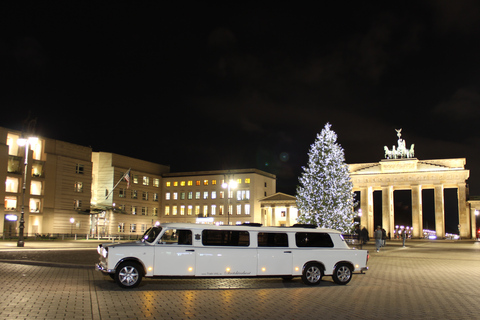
column 151, row 234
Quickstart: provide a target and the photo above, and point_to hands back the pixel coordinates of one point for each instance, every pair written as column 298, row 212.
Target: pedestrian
column 364, row 235
column 384, row 237
column 378, row 238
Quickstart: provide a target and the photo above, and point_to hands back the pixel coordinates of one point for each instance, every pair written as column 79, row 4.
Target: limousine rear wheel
column 312, row 274
column 342, row 274
column 128, row 275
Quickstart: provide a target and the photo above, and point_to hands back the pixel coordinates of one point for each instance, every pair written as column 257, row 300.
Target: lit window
column 133, row 227
column 197, row 195
column 182, row 183
column 197, row 182
column 134, row 210
column 146, row 181
column 167, row 196
column 11, row 184
column 190, row 195
column 197, row 210
column 182, row 210
column 175, row 183
column 135, row 179
column 175, row 196
column 155, row 211
column 167, row 210
column 11, row 203
column 222, row 195
column 134, row 194
column 78, row 186
column 214, row 194
column 205, row 211
column 121, row 227
column 247, row 209
column 205, row 195
column 214, row 182
column 36, row 187
column 190, row 183
column 182, row 195
column 77, row 204
column 205, row 182
column 247, row 180
column 239, row 209
column 239, row 181
column 156, row 182
column 220, row 210
column 155, row 197
column 168, row 184
column 174, row 210
column 34, row 205
column 189, row 210
column 214, row 210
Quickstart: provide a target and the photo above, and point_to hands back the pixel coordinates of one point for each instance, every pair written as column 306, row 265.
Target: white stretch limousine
column 183, row 250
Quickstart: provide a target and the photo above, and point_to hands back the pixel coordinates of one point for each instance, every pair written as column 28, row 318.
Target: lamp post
column 23, row 142
column 72, row 221
column 229, row 185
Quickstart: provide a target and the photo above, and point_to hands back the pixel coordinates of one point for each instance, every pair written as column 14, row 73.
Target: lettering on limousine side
column 238, row 272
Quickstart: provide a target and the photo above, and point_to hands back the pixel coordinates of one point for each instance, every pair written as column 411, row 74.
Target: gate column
column 463, row 214
column 417, row 213
column 366, row 204
column 388, row 219
column 439, row 212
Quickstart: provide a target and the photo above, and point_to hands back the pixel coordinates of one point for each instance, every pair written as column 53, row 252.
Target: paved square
column 426, row 280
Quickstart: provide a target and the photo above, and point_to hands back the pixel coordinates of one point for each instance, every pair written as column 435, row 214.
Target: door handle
column 190, row 250
column 287, row 251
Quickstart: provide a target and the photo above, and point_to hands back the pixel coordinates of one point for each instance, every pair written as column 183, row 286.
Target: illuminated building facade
column 57, row 186
column 202, row 196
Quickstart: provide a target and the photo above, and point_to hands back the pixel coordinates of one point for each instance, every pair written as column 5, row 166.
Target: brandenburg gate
column 401, row 171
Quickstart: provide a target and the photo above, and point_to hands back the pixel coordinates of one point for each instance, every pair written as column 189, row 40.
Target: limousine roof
column 248, row 227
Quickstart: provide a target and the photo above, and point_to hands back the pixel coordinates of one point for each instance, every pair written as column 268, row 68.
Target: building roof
column 219, row 172
column 278, row 197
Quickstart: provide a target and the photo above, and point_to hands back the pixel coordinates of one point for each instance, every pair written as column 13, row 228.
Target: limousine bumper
column 364, row 269
column 102, row 268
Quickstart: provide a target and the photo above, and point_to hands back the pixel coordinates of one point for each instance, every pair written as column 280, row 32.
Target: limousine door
column 274, row 255
column 174, row 254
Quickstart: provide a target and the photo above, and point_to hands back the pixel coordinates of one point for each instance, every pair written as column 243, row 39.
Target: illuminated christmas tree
column 325, row 197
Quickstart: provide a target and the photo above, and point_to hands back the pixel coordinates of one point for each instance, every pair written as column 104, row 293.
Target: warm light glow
column 297, row 268
column 190, row 269
column 150, row 268
column 72, row 220
column 264, row 269
column 233, row 184
column 228, row 269
column 21, row 142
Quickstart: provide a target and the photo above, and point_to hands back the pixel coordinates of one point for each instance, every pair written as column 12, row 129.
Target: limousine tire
column 128, row 275
column 342, row 274
column 312, row 274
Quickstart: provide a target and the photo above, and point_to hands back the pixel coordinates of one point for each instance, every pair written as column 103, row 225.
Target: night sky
column 210, row 87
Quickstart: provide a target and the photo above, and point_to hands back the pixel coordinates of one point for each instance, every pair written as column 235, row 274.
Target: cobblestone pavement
column 425, row 280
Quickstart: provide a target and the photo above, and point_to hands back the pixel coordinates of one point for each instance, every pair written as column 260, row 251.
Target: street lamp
column 24, row 142
column 232, row 184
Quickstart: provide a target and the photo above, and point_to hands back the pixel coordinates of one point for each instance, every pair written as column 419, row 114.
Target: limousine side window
column 272, row 239
column 176, row 236
column 225, row 238
column 313, row 239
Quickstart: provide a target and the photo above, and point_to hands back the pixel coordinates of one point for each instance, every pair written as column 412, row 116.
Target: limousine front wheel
column 312, row 274
column 128, row 275
column 342, row 274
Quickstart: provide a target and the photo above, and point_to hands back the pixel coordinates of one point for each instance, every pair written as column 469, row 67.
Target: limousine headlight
column 105, row 252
